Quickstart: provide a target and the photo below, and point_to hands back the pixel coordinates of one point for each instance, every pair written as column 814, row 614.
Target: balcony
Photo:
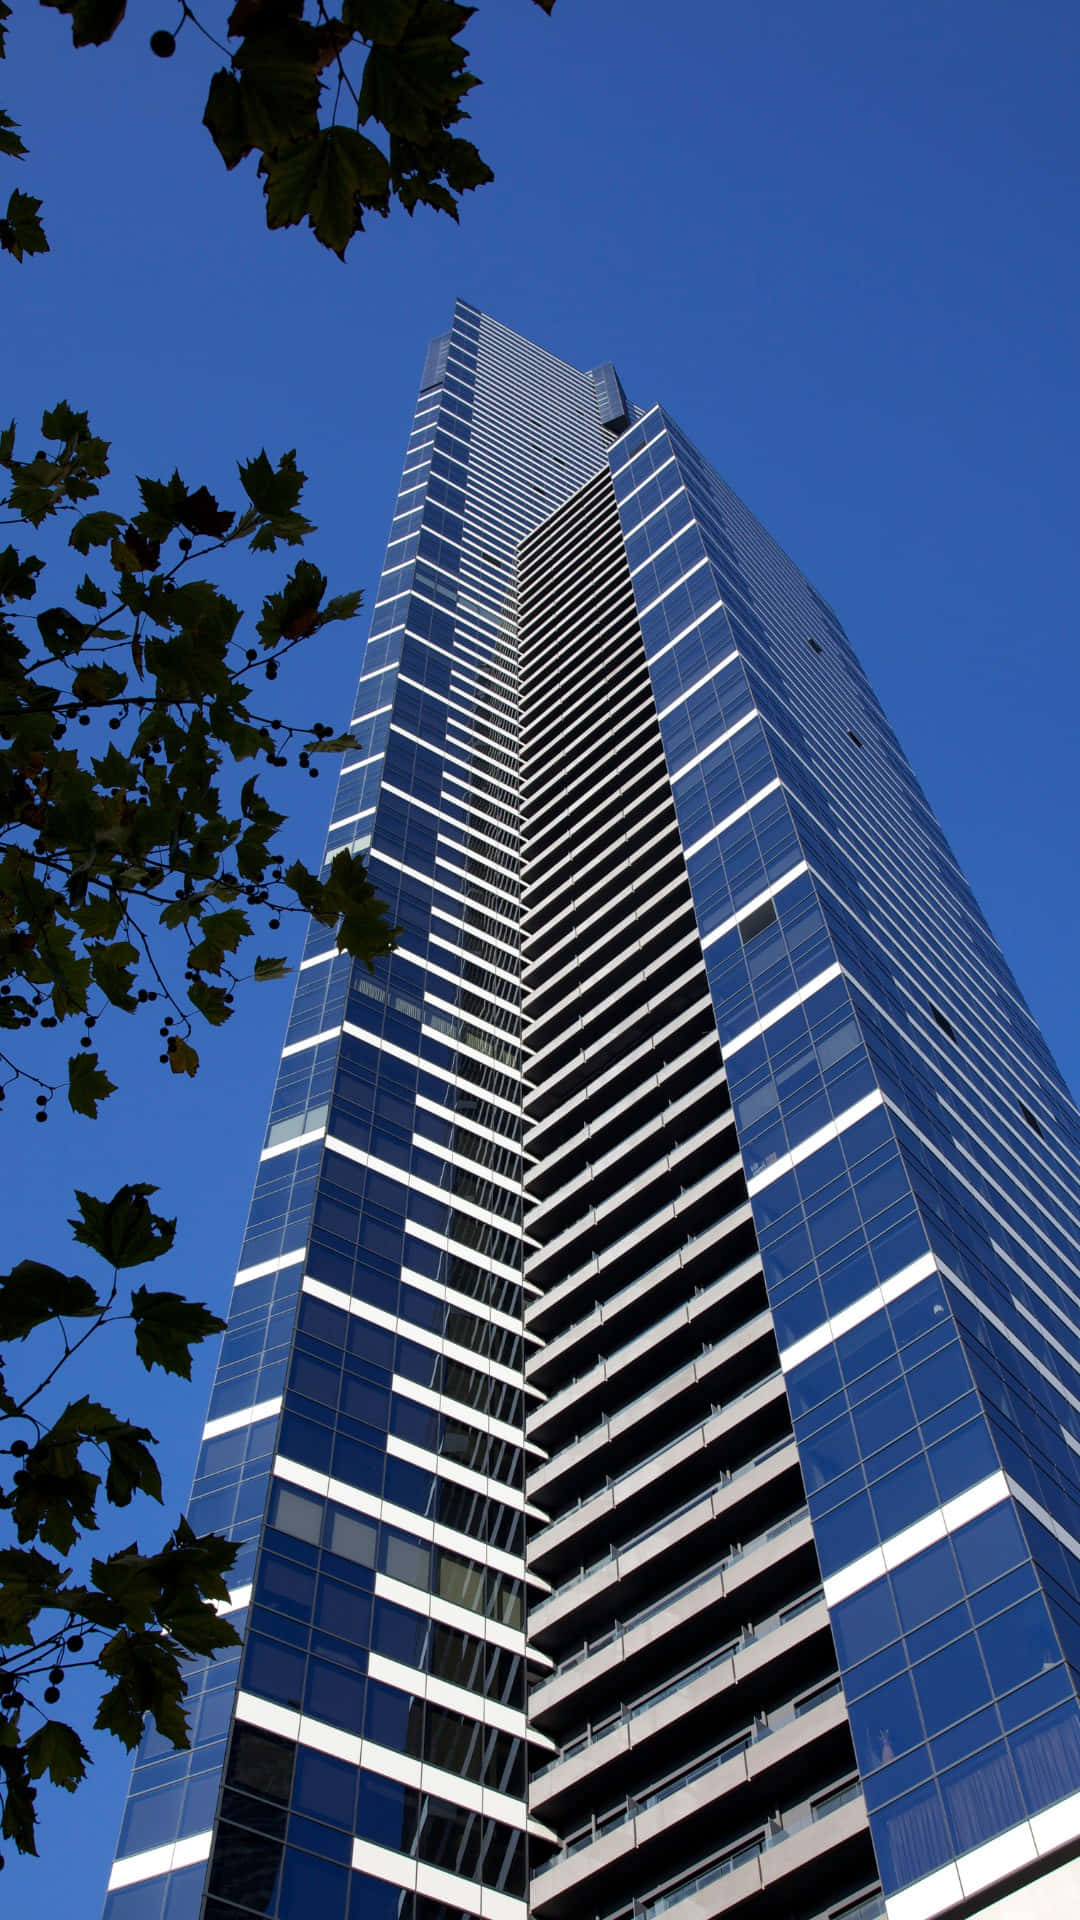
column 620, row 1360
column 713, row 1602
column 688, row 1464
column 645, row 1838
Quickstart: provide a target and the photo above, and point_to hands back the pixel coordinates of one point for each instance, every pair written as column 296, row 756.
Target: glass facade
column 650, row 1406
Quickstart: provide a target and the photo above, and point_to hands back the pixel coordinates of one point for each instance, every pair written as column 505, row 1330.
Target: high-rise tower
column 651, row 1399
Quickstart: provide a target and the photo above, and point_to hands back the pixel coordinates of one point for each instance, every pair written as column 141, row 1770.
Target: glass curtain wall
column 663, row 1276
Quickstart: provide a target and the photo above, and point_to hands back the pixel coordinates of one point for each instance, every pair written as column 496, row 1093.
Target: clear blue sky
column 838, row 242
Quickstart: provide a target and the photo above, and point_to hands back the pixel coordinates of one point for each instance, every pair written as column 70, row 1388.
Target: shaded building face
column 651, row 1401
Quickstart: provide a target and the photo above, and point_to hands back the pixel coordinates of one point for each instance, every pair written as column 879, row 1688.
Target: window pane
column 298, row 1514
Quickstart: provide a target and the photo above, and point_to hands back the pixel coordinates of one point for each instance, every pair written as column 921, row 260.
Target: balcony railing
column 750, row 1848
column 724, row 1481
column 644, row 1703
column 650, row 1274
column 633, row 1620
column 590, row 1268
column 658, row 1387
column 761, row 1729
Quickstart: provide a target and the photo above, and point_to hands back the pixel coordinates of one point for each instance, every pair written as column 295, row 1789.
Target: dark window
column 261, row 1763
column 310, row 1885
column 325, row 1787
column 245, row 1868
column 945, row 1025
column 813, row 643
column 854, row 737
column 756, row 922
column 1031, row 1120
column 274, row 1671
column 262, row 1816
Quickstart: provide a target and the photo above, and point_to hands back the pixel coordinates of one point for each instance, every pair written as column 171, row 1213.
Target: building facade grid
column 650, row 1405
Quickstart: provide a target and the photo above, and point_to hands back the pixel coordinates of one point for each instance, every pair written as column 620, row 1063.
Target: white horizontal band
column 915, row 1539
column 998, row 1859
column 797, row 999
column 732, row 819
column 832, row 1130
column 767, row 893
column 436, row 1882
column 861, row 1309
column 244, row 1417
column 714, row 745
column 157, row 1860
column 420, row 1525
column 262, row 1267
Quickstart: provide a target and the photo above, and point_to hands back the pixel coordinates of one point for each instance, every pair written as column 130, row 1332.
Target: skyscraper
column 651, row 1400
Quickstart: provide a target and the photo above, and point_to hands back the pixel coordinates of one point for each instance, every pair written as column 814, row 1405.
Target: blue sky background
column 839, row 243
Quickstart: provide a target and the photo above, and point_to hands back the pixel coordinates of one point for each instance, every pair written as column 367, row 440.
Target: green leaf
column 54, row 1498
column 113, row 968
column 89, row 594
column 9, row 137
column 272, row 95
column 221, row 935
column 87, row 1084
column 92, row 21
column 329, row 179
column 293, row 613
column 310, row 892
column 211, row 1002
column 166, row 1328
column 343, row 606
column 274, row 493
column 100, row 916
column 272, row 490
column 64, row 422
column 148, row 1680
column 67, row 972
column 94, row 530
column 62, row 632
column 96, row 686
column 21, row 232
column 18, row 576
column 202, row 1558
column 225, row 118
column 19, row 1817
column 168, row 505
column 55, row 1495
column 415, row 88
column 31, row 1294
column 364, row 930
column 29, row 1585
column 380, row 21
column 271, row 968
column 177, row 913
column 123, row 1230
column 347, row 897
column 182, row 1057
column 339, row 744
column 56, row 1749
column 131, row 1584
column 70, row 475
column 132, row 1467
